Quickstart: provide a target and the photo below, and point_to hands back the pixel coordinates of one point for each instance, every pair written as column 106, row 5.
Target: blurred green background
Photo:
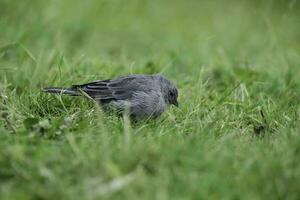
column 235, row 136
column 136, row 33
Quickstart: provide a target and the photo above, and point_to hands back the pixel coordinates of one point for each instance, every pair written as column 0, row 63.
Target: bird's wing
column 117, row 89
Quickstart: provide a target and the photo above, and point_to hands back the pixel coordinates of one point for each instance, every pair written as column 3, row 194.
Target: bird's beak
column 176, row 103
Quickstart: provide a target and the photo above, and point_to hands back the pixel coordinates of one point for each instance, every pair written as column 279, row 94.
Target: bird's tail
column 58, row 90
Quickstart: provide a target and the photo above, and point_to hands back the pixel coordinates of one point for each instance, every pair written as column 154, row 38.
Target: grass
column 235, row 135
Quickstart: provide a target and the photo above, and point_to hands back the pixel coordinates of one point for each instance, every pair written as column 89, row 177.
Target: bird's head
column 169, row 91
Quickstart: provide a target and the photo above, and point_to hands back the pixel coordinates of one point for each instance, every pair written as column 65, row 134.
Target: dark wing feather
column 117, row 89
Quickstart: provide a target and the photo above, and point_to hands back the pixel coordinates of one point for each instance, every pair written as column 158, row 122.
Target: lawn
column 236, row 134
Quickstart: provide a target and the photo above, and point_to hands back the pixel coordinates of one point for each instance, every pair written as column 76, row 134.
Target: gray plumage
column 142, row 96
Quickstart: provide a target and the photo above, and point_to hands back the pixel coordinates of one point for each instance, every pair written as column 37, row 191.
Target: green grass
column 235, row 135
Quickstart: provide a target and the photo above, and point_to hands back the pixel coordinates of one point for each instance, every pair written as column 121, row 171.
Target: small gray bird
column 142, row 96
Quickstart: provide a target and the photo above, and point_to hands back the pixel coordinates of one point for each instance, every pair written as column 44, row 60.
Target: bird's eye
column 171, row 94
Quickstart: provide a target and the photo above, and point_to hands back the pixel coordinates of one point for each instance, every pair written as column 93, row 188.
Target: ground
column 234, row 136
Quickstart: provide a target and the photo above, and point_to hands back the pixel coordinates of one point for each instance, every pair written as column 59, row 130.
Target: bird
column 140, row 96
